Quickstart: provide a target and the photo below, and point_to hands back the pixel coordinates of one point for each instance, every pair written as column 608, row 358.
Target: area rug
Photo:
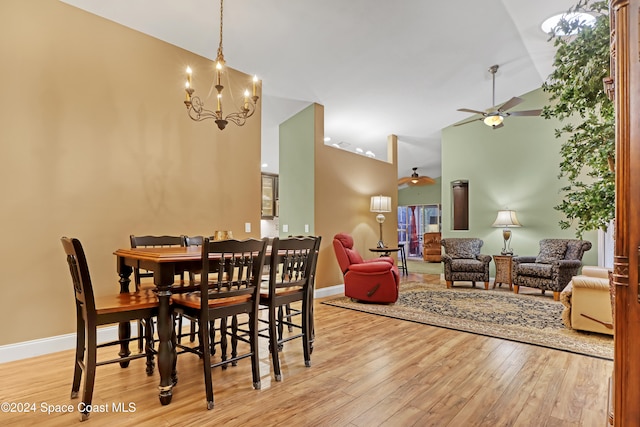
column 499, row 313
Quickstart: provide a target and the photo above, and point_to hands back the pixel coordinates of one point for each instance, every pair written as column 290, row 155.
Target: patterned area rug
column 499, row 313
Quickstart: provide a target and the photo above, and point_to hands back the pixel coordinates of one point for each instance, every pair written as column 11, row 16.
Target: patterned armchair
column 557, row 262
column 463, row 261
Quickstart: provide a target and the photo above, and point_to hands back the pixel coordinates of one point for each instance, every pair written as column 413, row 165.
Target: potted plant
column 579, row 100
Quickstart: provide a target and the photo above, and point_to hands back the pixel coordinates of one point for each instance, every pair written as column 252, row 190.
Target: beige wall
column 96, row 144
column 344, row 184
column 340, row 184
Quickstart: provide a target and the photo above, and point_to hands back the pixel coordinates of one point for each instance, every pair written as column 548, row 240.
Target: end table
column 503, row 270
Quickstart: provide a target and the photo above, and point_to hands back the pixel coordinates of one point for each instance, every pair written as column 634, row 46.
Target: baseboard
column 329, row 291
column 39, row 347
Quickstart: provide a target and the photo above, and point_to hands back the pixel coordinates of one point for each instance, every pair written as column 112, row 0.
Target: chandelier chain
column 220, row 57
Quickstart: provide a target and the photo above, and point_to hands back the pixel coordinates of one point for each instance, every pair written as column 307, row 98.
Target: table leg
column 124, row 328
column 163, row 278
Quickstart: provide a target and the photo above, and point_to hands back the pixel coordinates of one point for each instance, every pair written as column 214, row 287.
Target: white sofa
column 587, row 301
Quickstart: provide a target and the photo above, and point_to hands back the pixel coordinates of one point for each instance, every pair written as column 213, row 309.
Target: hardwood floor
column 366, row 370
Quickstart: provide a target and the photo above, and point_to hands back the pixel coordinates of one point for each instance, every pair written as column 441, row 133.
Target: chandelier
column 195, row 106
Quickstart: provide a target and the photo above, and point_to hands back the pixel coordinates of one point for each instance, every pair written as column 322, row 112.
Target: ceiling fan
column 494, row 116
column 416, row 179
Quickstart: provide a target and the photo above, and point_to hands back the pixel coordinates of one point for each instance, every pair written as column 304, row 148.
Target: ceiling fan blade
column 469, row 121
column 526, row 113
column 404, row 180
column 501, row 125
column 510, row 103
column 467, row 110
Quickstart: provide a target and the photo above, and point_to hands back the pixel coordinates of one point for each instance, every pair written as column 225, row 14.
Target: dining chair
column 291, row 279
column 139, row 274
column 92, row 312
column 152, row 241
column 229, row 286
column 193, row 280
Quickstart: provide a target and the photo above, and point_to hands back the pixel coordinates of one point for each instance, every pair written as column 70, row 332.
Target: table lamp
column 506, row 218
column 380, row 204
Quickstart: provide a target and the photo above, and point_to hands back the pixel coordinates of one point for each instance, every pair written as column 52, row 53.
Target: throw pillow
column 551, row 250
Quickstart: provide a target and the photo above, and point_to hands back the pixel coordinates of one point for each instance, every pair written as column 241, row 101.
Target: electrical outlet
column 285, row 228
column 247, row 227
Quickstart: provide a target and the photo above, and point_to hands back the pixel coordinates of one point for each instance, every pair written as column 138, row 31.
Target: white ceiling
column 378, row 67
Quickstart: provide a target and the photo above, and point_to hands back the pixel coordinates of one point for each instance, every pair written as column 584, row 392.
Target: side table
column 402, row 262
column 503, row 270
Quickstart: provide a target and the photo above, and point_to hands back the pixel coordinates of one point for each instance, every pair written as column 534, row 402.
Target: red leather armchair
column 374, row 280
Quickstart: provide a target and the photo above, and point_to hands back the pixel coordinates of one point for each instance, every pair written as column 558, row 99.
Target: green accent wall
column 297, row 171
column 516, row 166
column 421, row 195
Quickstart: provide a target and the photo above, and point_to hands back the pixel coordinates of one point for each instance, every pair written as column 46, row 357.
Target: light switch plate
column 306, row 228
column 247, row 227
column 285, row 228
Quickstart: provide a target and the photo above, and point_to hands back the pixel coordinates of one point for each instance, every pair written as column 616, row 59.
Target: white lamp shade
column 380, row 204
column 506, row 218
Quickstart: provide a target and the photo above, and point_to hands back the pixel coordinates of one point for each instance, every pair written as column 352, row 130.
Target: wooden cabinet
column 269, row 196
column 431, row 249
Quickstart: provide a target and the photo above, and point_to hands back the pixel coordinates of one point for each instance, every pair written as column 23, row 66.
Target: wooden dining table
column 165, row 262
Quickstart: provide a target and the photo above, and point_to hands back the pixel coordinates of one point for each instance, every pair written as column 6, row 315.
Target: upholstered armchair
column 373, row 280
column 464, row 262
column 587, row 301
column 557, row 262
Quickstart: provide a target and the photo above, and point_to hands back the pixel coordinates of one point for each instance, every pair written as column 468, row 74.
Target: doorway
column 413, row 222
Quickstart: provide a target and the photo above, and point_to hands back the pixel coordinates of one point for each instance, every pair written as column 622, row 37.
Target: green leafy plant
column 579, row 101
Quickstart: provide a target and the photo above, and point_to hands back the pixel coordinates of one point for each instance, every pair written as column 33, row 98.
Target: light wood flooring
column 366, row 370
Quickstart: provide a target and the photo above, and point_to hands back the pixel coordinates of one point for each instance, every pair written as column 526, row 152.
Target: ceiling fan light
column 414, row 181
column 493, row 120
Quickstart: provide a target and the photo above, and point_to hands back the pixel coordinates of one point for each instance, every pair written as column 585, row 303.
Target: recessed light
column 550, row 24
column 327, row 139
column 264, row 165
column 359, row 150
column 370, row 154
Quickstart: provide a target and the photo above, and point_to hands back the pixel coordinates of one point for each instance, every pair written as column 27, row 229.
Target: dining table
column 165, row 263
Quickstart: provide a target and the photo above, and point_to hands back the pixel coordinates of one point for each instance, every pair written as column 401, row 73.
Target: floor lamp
column 506, row 219
column 380, row 204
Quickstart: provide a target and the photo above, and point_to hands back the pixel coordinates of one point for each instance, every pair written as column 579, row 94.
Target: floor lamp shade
column 506, row 218
column 380, row 204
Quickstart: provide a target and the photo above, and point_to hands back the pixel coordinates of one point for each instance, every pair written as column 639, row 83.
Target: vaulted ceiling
column 378, row 67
